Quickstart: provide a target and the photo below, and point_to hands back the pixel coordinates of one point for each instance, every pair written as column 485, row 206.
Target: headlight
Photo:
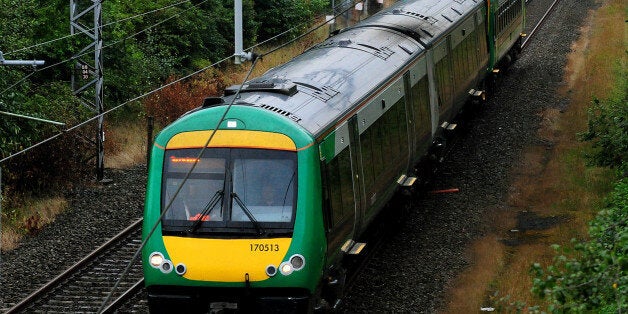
column 166, row 266
column 180, row 269
column 155, row 259
column 297, row 261
column 285, row 268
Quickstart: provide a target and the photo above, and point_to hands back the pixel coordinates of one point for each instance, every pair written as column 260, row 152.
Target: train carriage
column 263, row 215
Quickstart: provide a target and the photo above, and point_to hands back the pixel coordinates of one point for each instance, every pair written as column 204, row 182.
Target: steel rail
column 539, row 24
column 124, row 297
column 66, row 274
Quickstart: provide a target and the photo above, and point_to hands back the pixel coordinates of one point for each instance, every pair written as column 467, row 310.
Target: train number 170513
column 264, row 247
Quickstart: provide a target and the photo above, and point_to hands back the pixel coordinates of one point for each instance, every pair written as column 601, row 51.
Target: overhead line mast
column 87, row 77
column 240, row 55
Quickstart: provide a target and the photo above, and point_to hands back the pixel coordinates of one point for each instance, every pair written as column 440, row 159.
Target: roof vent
column 428, row 19
column 279, row 111
column 283, row 87
column 212, row 102
column 344, row 42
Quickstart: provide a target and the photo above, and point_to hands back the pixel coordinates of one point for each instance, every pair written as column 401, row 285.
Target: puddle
column 528, row 223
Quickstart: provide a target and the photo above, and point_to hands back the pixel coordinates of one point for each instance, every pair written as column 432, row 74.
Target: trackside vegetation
column 591, row 276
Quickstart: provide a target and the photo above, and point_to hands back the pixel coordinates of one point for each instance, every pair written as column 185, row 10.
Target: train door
column 443, row 75
column 341, row 192
column 418, row 109
column 356, row 166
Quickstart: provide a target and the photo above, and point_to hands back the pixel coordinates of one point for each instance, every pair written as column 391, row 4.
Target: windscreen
column 265, row 186
column 229, row 190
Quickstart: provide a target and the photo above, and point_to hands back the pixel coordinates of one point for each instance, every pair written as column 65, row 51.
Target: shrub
column 277, row 16
column 171, row 102
column 608, row 125
column 594, row 278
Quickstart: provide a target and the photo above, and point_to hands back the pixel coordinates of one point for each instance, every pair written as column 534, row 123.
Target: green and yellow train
column 260, row 213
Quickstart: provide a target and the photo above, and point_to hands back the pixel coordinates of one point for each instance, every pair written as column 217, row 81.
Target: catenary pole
column 87, row 79
column 240, row 55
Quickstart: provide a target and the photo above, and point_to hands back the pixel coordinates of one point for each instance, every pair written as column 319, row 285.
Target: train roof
column 317, row 88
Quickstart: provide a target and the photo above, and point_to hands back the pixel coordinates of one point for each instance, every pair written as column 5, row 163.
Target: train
column 257, row 199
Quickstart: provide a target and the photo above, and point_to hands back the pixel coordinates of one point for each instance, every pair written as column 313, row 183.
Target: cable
column 18, row 82
column 304, row 23
column 112, row 109
column 104, row 47
column 307, row 33
column 171, row 201
column 150, row 92
column 92, row 29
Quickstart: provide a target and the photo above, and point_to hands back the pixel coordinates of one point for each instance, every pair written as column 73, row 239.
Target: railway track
column 85, row 286
column 539, row 23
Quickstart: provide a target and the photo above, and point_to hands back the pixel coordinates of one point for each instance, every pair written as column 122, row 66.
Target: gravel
column 96, row 213
column 411, row 271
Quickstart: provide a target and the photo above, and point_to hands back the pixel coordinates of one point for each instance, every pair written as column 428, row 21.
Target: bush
column 45, row 168
column 595, row 277
column 171, row 102
column 608, row 126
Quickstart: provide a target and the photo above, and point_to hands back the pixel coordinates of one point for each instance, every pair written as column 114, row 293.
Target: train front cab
column 245, row 229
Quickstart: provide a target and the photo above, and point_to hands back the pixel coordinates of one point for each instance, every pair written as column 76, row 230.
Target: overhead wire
column 145, row 94
column 154, row 90
column 102, row 48
column 171, row 201
column 187, row 176
column 92, row 29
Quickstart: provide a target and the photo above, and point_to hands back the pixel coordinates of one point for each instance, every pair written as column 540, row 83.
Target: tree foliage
column 145, row 44
column 277, row 16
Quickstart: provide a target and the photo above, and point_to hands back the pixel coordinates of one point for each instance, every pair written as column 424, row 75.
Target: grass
column 29, row 219
column 125, row 145
column 549, row 182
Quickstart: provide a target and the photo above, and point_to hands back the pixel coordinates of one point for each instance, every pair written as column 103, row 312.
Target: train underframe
column 167, row 299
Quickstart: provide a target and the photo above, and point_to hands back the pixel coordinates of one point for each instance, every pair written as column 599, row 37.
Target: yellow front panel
column 232, row 138
column 226, row 260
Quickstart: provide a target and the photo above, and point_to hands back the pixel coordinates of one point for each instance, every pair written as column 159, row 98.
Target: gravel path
column 411, row 271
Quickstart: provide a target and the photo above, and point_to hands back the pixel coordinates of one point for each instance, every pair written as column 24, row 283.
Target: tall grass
column 29, row 219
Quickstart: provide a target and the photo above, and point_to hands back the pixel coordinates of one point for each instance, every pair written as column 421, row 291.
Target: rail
column 49, row 286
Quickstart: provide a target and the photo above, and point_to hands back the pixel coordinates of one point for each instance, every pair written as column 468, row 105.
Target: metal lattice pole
column 87, row 79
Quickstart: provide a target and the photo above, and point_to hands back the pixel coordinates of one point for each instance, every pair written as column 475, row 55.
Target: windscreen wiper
column 260, row 229
column 207, row 210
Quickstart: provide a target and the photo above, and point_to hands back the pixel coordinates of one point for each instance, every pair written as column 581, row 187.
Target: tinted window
column 227, row 189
